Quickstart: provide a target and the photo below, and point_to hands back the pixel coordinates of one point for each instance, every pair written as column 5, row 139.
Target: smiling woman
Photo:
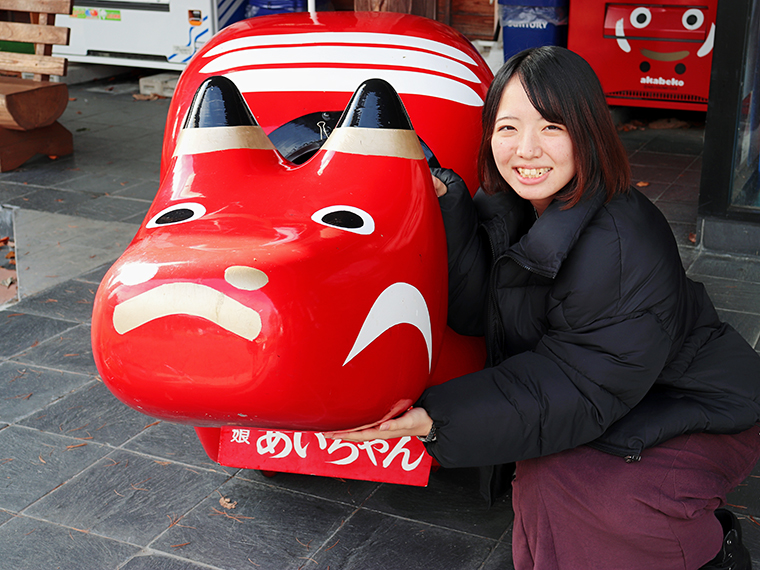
column 609, row 374
column 587, row 309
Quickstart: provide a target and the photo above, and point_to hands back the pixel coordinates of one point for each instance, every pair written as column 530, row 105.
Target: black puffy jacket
column 595, row 335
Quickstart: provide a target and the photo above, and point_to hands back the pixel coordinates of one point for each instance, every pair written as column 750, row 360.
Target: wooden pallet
column 30, row 108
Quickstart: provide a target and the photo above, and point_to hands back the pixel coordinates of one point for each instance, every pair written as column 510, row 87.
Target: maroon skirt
column 583, row 509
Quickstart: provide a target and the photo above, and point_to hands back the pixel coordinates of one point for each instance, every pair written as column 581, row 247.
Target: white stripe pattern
column 347, row 79
column 318, row 62
column 344, row 54
column 361, row 38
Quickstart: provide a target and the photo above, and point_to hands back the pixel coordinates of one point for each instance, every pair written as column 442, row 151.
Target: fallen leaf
column 642, row 184
column 227, row 504
column 692, row 237
column 669, row 124
column 147, row 97
column 634, row 125
column 236, row 518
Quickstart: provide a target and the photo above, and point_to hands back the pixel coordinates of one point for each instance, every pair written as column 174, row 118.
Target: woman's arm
column 565, row 393
column 469, row 254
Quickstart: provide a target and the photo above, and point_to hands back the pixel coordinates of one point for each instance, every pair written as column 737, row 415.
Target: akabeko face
column 689, row 30
column 647, row 54
column 291, row 272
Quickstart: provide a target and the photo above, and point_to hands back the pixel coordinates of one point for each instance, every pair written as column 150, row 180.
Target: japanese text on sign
column 280, row 445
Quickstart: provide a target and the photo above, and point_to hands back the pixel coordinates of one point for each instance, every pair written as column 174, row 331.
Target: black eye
column 345, row 218
column 177, row 214
column 693, row 19
column 641, row 17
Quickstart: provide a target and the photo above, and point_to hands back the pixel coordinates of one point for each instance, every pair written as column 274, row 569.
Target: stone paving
column 87, row 483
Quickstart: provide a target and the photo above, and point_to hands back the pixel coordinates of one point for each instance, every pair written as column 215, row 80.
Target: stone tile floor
column 87, row 483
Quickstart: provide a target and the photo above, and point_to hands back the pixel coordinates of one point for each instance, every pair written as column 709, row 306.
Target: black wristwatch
column 430, row 437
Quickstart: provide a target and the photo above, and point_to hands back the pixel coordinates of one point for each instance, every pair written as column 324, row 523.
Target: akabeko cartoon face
column 656, row 55
column 291, row 272
column 671, row 45
column 687, row 30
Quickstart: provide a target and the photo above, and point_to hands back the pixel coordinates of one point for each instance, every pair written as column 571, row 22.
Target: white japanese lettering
column 352, row 456
column 267, row 443
column 383, row 445
column 241, row 436
column 401, row 450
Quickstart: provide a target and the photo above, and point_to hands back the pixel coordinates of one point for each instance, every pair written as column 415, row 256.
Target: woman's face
column 534, row 156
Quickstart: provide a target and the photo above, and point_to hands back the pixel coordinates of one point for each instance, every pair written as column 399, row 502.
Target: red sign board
column 403, row 460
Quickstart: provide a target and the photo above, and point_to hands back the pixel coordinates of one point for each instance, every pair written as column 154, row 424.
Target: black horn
column 218, row 103
column 376, row 105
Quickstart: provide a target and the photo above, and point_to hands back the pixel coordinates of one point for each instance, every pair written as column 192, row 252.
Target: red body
column 647, row 55
column 240, row 302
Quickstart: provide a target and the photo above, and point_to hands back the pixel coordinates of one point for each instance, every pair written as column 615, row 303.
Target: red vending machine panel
column 647, row 55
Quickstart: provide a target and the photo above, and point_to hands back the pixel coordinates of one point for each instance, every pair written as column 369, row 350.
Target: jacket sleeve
column 565, row 393
column 469, row 256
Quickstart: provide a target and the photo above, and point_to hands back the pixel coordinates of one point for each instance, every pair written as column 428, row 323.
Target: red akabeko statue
column 290, row 276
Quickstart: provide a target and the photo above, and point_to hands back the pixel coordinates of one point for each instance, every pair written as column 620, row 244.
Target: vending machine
column 162, row 34
column 647, row 55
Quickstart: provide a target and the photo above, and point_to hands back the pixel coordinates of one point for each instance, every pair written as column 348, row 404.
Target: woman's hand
column 440, row 187
column 414, row 421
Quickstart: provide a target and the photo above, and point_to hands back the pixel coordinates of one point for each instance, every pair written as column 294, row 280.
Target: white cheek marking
column 245, row 278
column 620, row 35
column 708, row 45
column 399, row 303
column 187, row 299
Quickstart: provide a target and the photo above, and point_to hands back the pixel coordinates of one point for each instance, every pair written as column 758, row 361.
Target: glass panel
column 746, row 187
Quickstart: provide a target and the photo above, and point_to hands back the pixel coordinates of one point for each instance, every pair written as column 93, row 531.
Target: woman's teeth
column 532, row 172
